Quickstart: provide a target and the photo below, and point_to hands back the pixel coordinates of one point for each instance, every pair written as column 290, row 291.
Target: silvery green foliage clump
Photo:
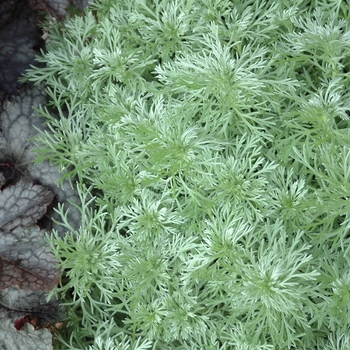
column 210, row 140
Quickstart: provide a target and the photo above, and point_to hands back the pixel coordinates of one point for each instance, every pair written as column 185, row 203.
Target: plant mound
column 209, row 143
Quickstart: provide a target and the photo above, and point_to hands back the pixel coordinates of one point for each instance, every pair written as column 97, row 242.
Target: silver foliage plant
column 209, row 142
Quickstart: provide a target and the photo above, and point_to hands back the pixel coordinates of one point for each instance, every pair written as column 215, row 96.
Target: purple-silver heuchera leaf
column 25, row 264
column 17, row 304
column 26, row 339
column 27, row 190
column 20, row 41
column 19, row 124
column 22, row 205
column 24, row 257
column 25, row 260
column 16, row 300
